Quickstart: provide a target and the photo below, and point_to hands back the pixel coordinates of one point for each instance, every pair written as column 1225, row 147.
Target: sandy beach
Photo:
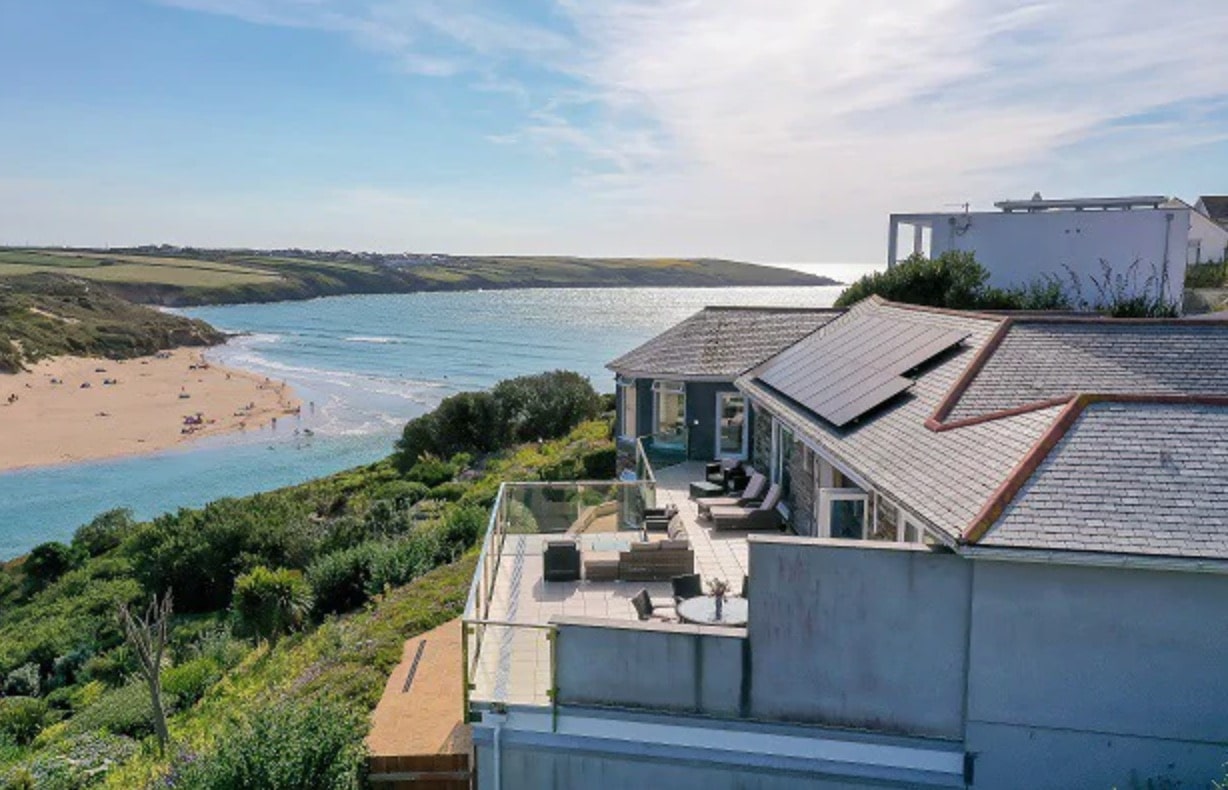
column 49, row 415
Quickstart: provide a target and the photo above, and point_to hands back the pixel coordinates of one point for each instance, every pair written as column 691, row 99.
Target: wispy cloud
column 802, row 123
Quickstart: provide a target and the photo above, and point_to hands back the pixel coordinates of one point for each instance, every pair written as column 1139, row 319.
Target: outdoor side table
column 702, row 611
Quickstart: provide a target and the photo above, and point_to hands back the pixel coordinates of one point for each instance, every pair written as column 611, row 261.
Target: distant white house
column 1027, row 239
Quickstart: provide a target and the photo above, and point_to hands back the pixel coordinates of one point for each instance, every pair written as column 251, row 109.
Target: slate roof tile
column 1040, row 360
column 722, row 342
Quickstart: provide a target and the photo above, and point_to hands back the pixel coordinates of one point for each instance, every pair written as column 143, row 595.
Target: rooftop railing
column 507, row 650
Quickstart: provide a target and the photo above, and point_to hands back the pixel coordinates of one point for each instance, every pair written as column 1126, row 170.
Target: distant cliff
column 185, row 276
column 44, row 315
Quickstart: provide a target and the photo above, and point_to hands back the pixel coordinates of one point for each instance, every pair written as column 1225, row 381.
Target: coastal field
column 186, row 276
column 63, row 410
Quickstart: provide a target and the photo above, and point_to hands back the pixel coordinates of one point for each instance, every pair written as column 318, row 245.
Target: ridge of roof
column 980, row 315
column 938, row 421
column 1027, row 466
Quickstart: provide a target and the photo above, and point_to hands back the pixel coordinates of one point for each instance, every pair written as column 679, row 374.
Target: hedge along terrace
column 270, row 593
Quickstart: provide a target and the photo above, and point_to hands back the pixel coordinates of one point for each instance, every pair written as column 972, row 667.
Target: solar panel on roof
column 855, row 366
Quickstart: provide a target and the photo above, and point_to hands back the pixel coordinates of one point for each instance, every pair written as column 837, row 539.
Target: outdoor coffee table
column 702, row 611
column 701, row 489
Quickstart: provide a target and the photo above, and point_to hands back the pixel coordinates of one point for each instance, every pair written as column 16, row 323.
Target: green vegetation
column 955, row 280
column 186, row 276
column 45, row 315
column 290, row 609
column 1207, row 275
column 523, row 409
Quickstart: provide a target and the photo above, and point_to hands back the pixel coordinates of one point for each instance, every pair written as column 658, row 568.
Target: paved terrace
column 514, row 665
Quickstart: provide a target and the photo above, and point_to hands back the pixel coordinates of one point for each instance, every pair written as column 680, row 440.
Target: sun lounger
column 752, row 494
column 762, row 516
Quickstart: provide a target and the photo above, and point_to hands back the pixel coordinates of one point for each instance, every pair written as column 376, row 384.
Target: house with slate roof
column 1004, row 564
column 678, row 388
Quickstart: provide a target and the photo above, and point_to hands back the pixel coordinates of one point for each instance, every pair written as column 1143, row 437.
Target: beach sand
column 55, row 423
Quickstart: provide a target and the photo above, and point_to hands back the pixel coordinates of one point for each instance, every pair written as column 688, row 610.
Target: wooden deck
column 418, row 740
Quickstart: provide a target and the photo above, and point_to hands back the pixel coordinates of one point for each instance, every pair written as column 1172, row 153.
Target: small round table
column 702, row 611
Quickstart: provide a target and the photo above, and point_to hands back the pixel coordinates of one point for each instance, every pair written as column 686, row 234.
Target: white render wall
column 1020, row 247
column 1211, row 239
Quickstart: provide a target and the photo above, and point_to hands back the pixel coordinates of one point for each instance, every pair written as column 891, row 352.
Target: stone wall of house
column 801, row 491
column 761, row 431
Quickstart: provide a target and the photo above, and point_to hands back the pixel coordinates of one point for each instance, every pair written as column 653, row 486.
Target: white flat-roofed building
column 1147, row 239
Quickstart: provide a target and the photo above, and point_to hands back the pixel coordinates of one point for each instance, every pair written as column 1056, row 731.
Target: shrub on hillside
column 431, row 471
column 23, row 681
column 268, row 603
column 189, row 681
column 546, row 405
column 21, row 718
column 48, row 562
column 404, row 493
column 466, row 422
column 291, row 746
column 340, row 580
column 527, row 408
column 449, row 492
column 111, row 667
column 386, row 519
column 122, row 711
column 105, row 532
column 199, row 553
column 404, row 560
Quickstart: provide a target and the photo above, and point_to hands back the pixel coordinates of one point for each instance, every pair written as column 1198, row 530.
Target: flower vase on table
column 719, row 588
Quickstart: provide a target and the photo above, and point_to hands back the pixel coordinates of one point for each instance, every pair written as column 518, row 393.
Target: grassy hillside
column 44, row 314
column 374, row 555
column 175, row 276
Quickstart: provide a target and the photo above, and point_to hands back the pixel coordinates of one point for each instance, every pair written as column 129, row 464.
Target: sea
column 363, row 366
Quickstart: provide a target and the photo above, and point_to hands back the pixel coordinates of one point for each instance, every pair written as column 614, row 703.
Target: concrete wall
column 529, row 768
column 1019, row 247
column 663, row 666
column 1092, row 672
column 855, row 634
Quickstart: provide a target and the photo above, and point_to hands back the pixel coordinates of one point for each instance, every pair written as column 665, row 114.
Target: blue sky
column 770, row 130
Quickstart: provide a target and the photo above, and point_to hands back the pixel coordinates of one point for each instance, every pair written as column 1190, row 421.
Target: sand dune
column 48, row 417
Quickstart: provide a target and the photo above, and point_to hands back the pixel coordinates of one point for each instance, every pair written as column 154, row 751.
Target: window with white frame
column 669, row 411
column 909, row 530
column 628, row 416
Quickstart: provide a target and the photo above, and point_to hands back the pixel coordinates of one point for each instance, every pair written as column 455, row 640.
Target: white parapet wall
column 1020, row 247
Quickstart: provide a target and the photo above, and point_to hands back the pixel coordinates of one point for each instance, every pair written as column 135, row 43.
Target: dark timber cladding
column 853, row 366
